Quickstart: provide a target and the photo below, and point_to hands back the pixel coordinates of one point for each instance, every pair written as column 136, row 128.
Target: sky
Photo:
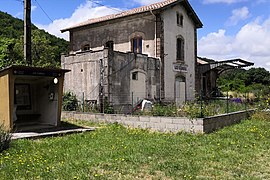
column 232, row 28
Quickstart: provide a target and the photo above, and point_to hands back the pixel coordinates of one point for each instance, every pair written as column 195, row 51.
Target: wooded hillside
column 46, row 48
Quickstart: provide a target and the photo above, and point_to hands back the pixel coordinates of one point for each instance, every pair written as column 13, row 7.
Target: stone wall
column 165, row 124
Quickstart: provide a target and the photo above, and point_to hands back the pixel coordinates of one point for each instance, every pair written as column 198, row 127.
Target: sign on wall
column 180, row 68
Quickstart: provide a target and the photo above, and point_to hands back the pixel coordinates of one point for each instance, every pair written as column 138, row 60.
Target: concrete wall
column 85, row 76
column 165, row 124
column 120, row 32
column 171, row 32
column 122, row 85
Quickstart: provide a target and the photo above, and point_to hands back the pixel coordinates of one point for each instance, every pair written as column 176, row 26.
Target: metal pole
column 27, row 32
column 227, row 102
column 101, row 90
column 201, row 102
column 132, row 103
column 83, row 101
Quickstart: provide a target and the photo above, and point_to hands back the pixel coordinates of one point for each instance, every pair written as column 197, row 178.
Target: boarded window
column 180, row 49
column 137, row 45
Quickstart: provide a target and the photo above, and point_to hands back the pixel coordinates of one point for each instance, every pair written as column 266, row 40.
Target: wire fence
column 120, row 103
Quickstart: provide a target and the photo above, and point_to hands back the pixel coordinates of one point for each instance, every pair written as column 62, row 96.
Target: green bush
column 5, row 138
column 70, row 102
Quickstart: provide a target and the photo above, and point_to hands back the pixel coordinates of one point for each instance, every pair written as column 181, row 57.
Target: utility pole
column 27, row 32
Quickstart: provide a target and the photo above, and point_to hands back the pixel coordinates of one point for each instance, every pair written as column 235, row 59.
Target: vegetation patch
column 115, row 152
column 5, row 138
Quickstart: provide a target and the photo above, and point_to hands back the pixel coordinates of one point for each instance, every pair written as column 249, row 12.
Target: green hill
column 46, row 48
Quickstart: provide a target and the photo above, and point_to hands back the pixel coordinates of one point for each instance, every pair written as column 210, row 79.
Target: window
column 109, row 45
column 22, row 96
column 136, row 45
column 135, row 76
column 180, row 49
column 86, row 47
column 179, row 19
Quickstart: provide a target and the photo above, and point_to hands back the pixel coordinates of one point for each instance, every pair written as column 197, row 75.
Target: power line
column 44, row 11
column 115, row 9
column 97, row 3
column 122, row 68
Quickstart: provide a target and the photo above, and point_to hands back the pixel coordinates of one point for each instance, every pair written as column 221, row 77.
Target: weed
column 5, row 138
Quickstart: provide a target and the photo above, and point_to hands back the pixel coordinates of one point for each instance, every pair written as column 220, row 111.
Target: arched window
column 136, row 44
column 86, row 47
column 180, row 49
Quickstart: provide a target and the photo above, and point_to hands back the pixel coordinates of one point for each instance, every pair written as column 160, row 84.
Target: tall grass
column 5, row 138
column 241, row 151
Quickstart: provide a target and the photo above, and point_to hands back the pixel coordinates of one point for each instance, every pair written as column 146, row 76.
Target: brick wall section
column 165, row 124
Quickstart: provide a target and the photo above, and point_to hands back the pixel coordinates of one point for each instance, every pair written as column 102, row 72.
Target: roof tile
column 142, row 9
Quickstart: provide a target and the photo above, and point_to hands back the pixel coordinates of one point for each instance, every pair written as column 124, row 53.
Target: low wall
column 165, row 124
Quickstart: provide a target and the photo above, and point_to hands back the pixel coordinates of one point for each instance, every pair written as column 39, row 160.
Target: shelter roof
column 206, row 64
column 33, row 71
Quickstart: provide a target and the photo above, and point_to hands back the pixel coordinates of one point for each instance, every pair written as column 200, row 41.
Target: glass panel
column 140, row 45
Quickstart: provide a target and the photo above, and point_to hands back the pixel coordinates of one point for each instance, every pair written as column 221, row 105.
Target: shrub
column 261, row 116
column 5, row 138
column 70, row 102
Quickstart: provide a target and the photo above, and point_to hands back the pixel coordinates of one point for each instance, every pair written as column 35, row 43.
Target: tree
column 46, row 48
column 257, row 75
column 9, row 54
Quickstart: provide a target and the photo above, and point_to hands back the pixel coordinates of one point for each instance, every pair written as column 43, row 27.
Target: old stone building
column 150, row 50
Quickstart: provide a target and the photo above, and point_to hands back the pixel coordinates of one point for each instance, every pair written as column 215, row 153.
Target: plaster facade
column 125, row 77
column 171, row 32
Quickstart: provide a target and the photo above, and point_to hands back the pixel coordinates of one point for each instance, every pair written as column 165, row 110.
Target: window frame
column 180, row 49
column 137, row 44
column 134, row 75
column 179, row 19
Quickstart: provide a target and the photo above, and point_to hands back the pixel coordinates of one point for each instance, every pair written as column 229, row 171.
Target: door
column 180, row 91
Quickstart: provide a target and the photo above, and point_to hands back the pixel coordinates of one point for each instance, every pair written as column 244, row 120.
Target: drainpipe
column 155, row 32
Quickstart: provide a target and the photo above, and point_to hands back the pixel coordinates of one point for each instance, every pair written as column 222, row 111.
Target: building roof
column 139, row 10
column 206, row 64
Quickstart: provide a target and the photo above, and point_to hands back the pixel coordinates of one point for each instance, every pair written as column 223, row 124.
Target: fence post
column 83, row 102
column 201, row 102
column 227, row 108
column 132, row 103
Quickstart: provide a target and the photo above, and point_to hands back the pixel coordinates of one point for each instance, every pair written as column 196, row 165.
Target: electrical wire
column 99, row 4
column 122, row 68
column 44, row 11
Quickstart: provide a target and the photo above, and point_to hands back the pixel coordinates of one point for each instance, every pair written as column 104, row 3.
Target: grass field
column 241, row 151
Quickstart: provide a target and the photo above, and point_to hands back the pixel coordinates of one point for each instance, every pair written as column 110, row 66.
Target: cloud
column 238, row 15
column 222, row 1
column 252, row 43
column 33, row 8
column 146, row 2
column 84, row 12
